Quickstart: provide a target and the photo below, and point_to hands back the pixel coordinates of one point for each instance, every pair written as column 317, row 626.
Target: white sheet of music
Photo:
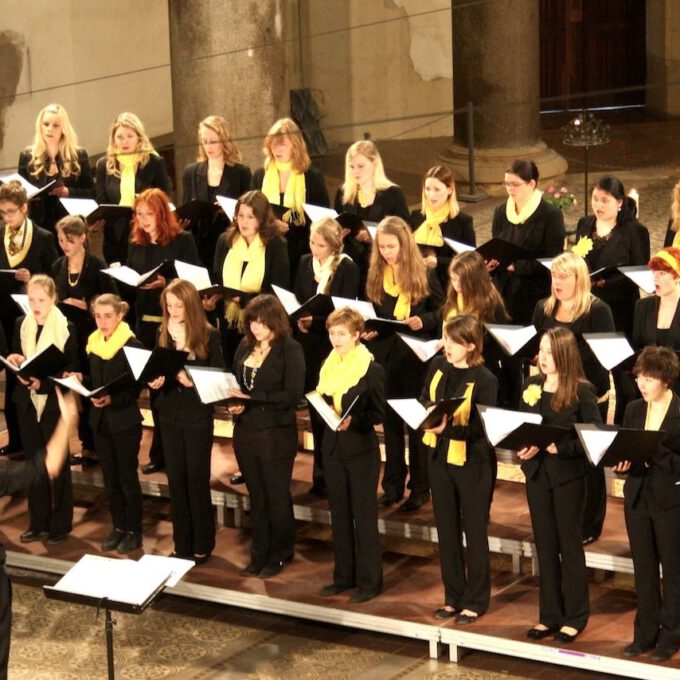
column 179, row 567
column 124, row 274
column 610, row 349
column 137, row 358
column 72, row 383
column 642, row 276
column 228, row 205
column 595, row 440
column 289, row 300
column 125, row 581
column 22, row 300
column 326, row 411
column 25, row 362
column 546, row 262
column 423, row 349
column 411, row 411
column 192, row 273
column 317, row 212
column 79, row 206
column 212, row 386
column 457, row 246
column 511, row 338
column 499, row 422
column 366, row 309
column 31, row 189
column 372, row 229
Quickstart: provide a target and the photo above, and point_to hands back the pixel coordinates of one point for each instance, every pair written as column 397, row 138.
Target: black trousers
column 351, row 483
column 557, row 519
column 5, row 620
column 118, row 456
column 266, row 458
column 146, row 334
column 460, row 498
column 188, row 447
column 50, row 502
column 11, row 416
column 318, row 426
column 653, row 535
column 394, row 474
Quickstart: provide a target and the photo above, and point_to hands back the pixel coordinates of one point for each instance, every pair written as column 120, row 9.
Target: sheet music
column 228, row 205
column 178, row 566
column 546, row 262
column 423, row 349
column 79, row 206
column 411, row 411
column 326, row 411
column 289, row 300
column 212, row 386
column 199, row 276
column 511, row 338
column 610, row 349
column 72, row 383
column 22, row 300
column 499, row 422
column 641, row 276
column 595, row 441
column 372, row 229
column 457, row 246
column 317, row 212
column 366, row 309
column 124, row 274
column 137, row 357
column 31, row 189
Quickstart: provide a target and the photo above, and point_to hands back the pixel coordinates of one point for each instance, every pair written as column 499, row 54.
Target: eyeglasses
column 9, row 213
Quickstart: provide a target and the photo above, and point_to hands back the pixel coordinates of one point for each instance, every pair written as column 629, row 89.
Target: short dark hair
column 13, row 192
column 465, row 329
column 525, row 170
column 614, row 187
column 658, row 362
column 268, row 310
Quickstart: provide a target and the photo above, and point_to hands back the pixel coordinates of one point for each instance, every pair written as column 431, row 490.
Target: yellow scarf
column 453, row 312
column 128, row 166
column 429, row 233
column 365, row 201
column 253, row 274
column 16, row 253
column 98, row 345
column 54, row 332
column 402, row 310
column 676, row 239
column 295, row 194
column 526, row 212
column 338, row 374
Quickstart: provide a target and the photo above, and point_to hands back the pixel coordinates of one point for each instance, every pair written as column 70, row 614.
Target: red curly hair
column 167, row 226
column 660, row 265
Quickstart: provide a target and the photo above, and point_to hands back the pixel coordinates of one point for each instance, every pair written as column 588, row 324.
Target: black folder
column 503, row 251
column 73, row 313
column 637, row 446
column 163, row 361
column 605, row 272
column 48, row 362
column 532, row 434
column 318, row 305
column 110, row 213
column 110, row 388
column 442, row 408
column 195, row 211
column 350, row 221
column 386, row 326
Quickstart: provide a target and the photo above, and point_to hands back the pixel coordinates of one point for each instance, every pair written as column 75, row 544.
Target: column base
column 490, row 164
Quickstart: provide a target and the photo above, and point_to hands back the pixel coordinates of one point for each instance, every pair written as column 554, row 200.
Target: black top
column 181, row 404
column 45, row 209
column 453, row 383
column 670, row 234
column 598, row 320
column 369, row 410
column 387, row 202
column 152, row 175
column 280, row 380
column 662, row 476
column 315, row 186
column 645, row 331
column 543, row 236
column 570, row 460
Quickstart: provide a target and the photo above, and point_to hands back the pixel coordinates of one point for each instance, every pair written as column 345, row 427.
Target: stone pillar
column 496, row 66
column 229, row 58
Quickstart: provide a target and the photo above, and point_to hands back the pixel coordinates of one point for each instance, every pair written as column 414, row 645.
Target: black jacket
column 153, row 175
column 235, row 181
column 644, row 324
column 316, row 192
column 390, row 201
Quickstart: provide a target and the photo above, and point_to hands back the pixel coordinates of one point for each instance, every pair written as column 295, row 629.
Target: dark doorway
column 590, row 46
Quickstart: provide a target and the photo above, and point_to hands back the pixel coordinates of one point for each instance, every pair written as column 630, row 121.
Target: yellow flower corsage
column 532, row 395
column 583, row 247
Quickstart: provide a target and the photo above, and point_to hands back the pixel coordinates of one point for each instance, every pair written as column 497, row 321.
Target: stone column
column 229, row 58
column 496, row 66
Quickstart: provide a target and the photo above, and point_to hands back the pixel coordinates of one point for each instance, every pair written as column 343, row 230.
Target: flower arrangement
column 532, row 395
column 583, row 247
column 561, row 198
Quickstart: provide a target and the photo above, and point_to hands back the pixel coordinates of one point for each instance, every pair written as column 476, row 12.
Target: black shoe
column 150, row 468
column 251, row 570
column 273, row 569
column 414, row 502
column 464, row 619
column 566, row 638
column 363, row 596
column 538, row 634
column 635, row 649
column 113, row 540
column 9, row 450
column 31, row 536
column 75, row 460
column 587, row 540
column 131, row 541
column 201, row 559
column 662, row 653
column 237, row 479
column 388, row 499
column 88, row 461
column 444, row 613
column 56, row 539
column 333, row 589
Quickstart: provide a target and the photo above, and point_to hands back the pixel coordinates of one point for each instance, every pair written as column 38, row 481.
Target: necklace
column 15, row 248
column 257, row 357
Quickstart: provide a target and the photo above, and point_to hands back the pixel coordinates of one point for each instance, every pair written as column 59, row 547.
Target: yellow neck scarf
column 365, row 200
column 453, row 312
column 54, row 332
column 17, row 243
column 526, row 212
column 128, row 165
column 249, row 280
column 429, row 233
column 402, row 310
column 295, row 194
column 676, row 240
column 338, row 374
column 98, row 345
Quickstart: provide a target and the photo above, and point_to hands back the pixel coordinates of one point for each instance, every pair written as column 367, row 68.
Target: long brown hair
column 167, row 226
column 197, row 328
column 287, row 127
column 481, row 299
column 568, row 364
column 411, row 275
column 259, row 204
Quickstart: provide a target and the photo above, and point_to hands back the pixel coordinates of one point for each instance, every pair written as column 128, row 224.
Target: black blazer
column 315, row 185
column 45, row 209
column 390, row 201
column 276, row 265
column 663, row 473
column 123, row 412
column 345, row 281
column 644, row 324
column 543, row 236
column 598, row 320
column 360, row 437
column 570, row 461
column 670, row 234
column 153, row 175
column 453, row 383
column 235, row 181
column 180, row 404
column 280, row 380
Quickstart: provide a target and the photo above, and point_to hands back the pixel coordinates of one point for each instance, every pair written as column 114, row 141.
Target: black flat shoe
column 538, row 634
column 444, row 613
column 565, row 638
column 150, row 468
column 75, row 460
column 465, row 619
column 31, row 536
column 387, row 500
column 662, row 653
column 88, row 461
column 251, row 570
column 237, row 479
column 131, row 541
column 112, row 540
column 9, row 450
column 363, row 596
column 273, row 569
column 201, row 559
column 635, row 649
column 333, row 589
column 414, row 502
column 56, row 539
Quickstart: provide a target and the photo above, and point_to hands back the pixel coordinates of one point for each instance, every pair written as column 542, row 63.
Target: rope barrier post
column 473, row 196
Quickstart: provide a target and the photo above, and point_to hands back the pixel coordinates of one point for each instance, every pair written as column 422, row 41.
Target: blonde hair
column 675, row 208
column 67, row 147
column 45, row 282
column 410, row 276
column 218, row 125
column 569, row 263
column 445, row 176
column 331, row 232
column 110, row 300
column 348, row 317
column 144, row 147
column 368, row 150
column 287, row 127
